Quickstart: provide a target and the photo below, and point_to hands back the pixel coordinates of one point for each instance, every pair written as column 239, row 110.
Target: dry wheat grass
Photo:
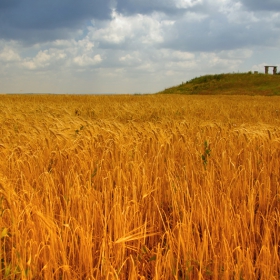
column 139, row 187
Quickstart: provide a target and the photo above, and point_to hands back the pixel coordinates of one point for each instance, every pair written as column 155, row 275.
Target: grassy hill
column 229, row 84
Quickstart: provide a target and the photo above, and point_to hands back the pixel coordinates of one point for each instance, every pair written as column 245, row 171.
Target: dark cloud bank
column 47, row 20
column 34, row 21
column 262, row 5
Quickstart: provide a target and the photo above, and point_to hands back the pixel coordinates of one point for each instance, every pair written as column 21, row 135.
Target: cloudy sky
column 131, row 46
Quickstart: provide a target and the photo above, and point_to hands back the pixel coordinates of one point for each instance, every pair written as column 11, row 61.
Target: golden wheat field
column 139, row 187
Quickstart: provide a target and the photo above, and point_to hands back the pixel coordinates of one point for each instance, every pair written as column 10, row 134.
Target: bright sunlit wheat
column 139, row 187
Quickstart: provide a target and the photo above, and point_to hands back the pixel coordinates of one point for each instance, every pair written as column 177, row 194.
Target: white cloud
column 144, row 29
column 62, row 43
column 85, row 60
column 187, row 3
column 219, row 61
column 9, row 55
column 237, row 15
column 131, row 59
column 236, row 54
column 85, row 44
column 43, row 59
column 182, row 55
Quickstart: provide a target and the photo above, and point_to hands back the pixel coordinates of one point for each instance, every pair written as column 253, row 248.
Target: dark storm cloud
column 216, row 33
column 148, row 6
column 144, row 6
column 262, row 5
column 37, row 20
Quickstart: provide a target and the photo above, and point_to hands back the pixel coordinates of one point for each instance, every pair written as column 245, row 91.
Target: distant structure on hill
column 274, row 69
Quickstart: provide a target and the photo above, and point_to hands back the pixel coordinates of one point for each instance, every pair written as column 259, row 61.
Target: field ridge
column 229, row 84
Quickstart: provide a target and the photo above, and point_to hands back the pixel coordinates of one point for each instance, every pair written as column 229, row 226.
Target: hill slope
column 229, row 84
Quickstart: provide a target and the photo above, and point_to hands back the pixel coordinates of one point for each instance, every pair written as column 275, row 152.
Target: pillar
column 266, row 69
